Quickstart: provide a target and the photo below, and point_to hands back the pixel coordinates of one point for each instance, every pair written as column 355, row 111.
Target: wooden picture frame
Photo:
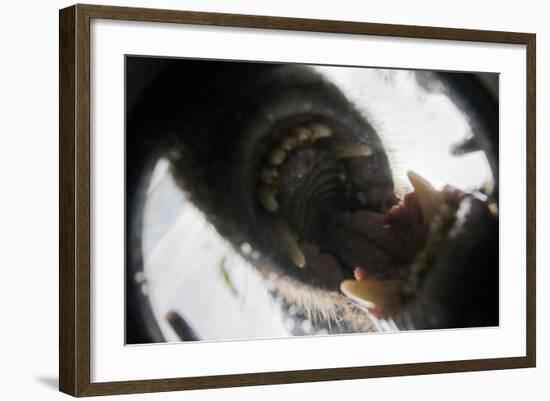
column 75, row 199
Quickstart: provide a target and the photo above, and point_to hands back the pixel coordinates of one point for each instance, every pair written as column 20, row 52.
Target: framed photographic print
column 252, row 200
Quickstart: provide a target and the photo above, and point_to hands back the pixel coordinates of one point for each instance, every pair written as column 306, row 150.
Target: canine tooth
column 319, row 130
column 266, row 196
column 344, row 149
column 289, row 143
column 372, row 293
column 430, row 200
column 288, row 243
column 302, row 134
column 269, row 175
column 277, row 156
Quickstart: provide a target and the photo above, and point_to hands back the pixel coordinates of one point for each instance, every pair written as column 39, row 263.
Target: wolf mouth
column 326, row 198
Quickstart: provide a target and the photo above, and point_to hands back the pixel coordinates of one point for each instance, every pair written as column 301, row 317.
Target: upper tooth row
column 269, row 175
column 297, row 137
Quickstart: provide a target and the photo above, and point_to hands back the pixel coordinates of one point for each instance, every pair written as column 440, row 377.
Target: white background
column 28, row 212
column 111, row 361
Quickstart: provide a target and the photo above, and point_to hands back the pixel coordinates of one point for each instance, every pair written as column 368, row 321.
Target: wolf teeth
column 289, row 143
column 302, row 135
column 319, row 131
column 277, row 156
column 269, row 175
column 430, row 200
column 287, row 241
column 266, row 196
column 345, row 149
column 382, row 294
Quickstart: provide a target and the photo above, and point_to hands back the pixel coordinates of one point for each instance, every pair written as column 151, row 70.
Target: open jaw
column 327, row 200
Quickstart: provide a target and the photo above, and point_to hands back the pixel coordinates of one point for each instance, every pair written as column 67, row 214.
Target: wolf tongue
column 383, row 242
column 360, row 238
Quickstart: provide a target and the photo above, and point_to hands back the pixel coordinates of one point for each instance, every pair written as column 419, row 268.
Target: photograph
column 270, row 200
column 251, row 199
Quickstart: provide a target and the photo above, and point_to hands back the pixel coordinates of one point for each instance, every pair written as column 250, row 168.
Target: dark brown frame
column 74, row 199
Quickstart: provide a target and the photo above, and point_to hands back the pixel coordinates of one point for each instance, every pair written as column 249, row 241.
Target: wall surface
column 28, row 212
